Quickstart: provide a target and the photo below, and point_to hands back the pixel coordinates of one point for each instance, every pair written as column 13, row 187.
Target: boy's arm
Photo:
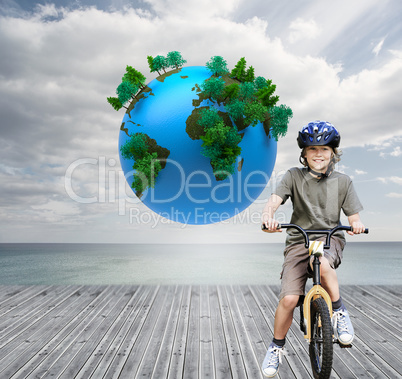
column 356, row 224
column 268, row 213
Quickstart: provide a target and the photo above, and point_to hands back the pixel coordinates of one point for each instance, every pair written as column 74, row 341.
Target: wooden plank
column 249, row 314
column 30, row 326
column 376, row 342
column 155, row 340
column 376, row 319
column 17, row 351
column 112, row 363
column 232, row 344
column 207, row 365
column 65, row 352
column 8, row 292
column 192, row 352
column 159, row 368
column 368, row 354
column 179, row 345
column 18, row 299
column 374, row 335
column 389, row 304
column 390, row 294
column 13, row 321
column 393, row 289
column 100, row 357
column 58, row 349
column 247, row 335
column 88, row 341
column 139, row 345
column 220, row 352
column 371, row 363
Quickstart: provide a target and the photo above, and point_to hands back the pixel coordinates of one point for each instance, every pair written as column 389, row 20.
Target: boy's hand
column 357, row 227
column 271, row 225
column 268, row 213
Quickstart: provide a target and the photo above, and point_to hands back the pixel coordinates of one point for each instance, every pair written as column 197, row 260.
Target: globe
column 186, row 189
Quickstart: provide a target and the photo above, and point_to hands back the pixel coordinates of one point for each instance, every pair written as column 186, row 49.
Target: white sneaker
column 343, row 328
column 270, row 366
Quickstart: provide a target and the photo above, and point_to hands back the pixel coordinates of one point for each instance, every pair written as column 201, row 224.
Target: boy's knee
column 290, row 301
column 325, row 266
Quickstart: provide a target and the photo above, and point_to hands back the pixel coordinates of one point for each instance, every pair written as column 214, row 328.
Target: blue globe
column 186, row 190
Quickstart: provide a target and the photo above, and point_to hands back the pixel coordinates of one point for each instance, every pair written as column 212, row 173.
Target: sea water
column 90, row 264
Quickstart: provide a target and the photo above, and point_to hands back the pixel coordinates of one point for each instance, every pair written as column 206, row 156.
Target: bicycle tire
column 321, row 344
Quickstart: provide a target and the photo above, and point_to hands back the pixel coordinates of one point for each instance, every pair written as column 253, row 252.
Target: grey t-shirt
column 317, row 204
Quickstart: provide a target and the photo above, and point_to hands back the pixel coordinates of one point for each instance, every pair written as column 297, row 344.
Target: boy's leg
column 294, row 276
column 283, row 320
column 342, row 324
column 329, row 279
column 329, row 262
column 284, row 315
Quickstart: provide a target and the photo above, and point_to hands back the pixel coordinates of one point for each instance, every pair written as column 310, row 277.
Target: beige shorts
column 294, row 269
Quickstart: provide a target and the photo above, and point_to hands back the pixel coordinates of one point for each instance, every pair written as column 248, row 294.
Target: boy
column 318, row 194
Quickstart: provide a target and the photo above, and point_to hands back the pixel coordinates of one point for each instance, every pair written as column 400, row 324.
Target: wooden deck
column 180, row 332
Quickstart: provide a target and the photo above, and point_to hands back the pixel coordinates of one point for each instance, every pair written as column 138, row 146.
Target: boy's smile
column 318, row 157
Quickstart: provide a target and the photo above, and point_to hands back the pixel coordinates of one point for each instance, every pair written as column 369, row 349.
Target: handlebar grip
column 284, row 226
column 366, row 231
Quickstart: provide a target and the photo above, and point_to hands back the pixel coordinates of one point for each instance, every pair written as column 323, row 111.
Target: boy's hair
column 336, row 155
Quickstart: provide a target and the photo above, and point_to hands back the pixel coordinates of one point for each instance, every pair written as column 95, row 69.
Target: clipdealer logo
column 110, row 186
column 152, row 219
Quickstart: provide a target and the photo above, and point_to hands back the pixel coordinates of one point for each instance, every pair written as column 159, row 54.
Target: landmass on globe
column 225, row 104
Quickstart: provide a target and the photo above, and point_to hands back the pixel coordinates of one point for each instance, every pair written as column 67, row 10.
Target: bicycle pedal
column 344, row 346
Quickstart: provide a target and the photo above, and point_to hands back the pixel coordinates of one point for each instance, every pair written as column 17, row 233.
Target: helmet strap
column 321, row 175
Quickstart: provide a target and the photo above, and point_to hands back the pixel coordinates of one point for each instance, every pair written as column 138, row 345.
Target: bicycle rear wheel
column 321, row 345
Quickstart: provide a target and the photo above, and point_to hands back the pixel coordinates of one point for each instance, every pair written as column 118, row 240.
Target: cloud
column 10, row 8
column 394, row 195
column 377, row 48
column 371, row 98
column 194, row 9
column 360, row 172
column 392, row 179
column 303, row 29
column 58, row 208
column 389, row 148
column 395, row 153
column 396, row 179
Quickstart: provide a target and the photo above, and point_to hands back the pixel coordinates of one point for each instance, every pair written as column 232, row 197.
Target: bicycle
column 316, row 307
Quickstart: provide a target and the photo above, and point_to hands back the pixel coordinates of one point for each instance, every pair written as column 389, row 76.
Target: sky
column 59, row 137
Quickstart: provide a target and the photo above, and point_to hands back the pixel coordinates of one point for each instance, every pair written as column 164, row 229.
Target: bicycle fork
column 315, row 292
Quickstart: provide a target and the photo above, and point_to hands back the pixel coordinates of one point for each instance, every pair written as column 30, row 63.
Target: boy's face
column 318, row 157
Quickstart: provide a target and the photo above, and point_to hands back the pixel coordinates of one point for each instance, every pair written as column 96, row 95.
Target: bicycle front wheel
column 321, row 344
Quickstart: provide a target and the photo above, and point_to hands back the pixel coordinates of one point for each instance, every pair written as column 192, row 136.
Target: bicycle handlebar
column 306, row 233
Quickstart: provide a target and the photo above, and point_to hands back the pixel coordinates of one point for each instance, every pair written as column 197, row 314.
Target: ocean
column 363, row 263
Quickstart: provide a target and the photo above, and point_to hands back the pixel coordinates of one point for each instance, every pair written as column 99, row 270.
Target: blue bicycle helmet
column 318, row 133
